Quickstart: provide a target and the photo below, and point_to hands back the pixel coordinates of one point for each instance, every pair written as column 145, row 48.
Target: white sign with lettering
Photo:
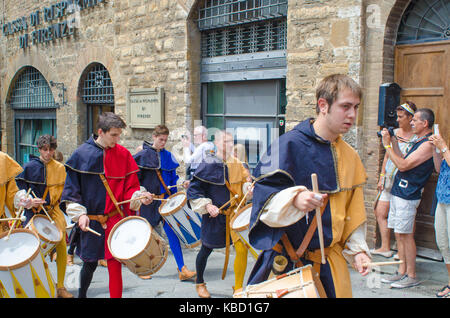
column 145, row 107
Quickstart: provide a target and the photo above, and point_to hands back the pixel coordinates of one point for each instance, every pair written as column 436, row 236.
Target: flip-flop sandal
column 446, row 295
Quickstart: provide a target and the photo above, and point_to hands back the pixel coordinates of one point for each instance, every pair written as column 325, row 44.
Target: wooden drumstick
column 319, row 218
column 20, row 212
column 245, row 196
column 92, row 231
column 382, row 263
column 43, row 209
column 23, row 218
column 139, row 198
column 226, row 203
column 175, row 186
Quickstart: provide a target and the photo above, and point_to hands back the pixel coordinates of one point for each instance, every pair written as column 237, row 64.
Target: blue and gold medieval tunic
column 209, row 181
column 289, row 162
column 149, row 161
column 84, row 186
column 39, row 176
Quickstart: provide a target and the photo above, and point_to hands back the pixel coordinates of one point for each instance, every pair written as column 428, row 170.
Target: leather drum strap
column 227, row 229
column 158, row 173
column 111, row 194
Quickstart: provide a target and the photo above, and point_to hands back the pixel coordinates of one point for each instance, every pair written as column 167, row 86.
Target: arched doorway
column 422, row 65
column 97, row 93
column 34, row 111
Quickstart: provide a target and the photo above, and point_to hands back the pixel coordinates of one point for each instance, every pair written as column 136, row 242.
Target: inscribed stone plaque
column 145, row 107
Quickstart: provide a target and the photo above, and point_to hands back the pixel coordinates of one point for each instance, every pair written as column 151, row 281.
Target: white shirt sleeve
column 356, row 243
column 280, row 211
column 199, row 205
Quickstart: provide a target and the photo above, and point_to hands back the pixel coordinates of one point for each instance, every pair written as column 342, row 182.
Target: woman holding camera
column 405, row 136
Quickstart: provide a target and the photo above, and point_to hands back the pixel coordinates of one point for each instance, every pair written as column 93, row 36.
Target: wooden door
column 422, row 71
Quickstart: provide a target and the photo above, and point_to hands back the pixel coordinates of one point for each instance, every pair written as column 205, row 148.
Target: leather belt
column 101, row 218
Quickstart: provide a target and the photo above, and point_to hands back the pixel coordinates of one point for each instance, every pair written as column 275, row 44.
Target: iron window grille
column 31, row 91
column 98, row 87
column 224, row 13
column 261, row 36
column 425, row 21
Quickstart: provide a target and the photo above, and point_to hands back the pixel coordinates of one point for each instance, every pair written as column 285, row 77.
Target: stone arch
column 13, row 70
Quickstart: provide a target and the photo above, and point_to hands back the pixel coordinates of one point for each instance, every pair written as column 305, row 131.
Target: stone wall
column 149, row 44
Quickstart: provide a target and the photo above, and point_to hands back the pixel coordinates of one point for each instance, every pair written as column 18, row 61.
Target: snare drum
column 23, row 270
column 302, row 282
column 185, row 223
column 48, row 232
column 136, row 244
column 240, row 225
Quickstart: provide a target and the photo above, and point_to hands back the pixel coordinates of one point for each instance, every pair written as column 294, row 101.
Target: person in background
column 405, row 135
column 414, row 169
column 441, row 162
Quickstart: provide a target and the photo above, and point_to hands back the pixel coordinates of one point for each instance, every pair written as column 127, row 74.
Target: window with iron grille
column 98, row 87
column 425, row 21
column 231, row 27
column 31, row 91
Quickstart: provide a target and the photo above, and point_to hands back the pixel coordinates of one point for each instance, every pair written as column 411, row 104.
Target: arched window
column 425, row 21
column 97, row 94
column 34, row 111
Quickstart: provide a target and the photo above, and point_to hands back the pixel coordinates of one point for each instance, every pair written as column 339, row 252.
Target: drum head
column 22, row 245
column 129, row 238
column 242, row 219
column 175, row 202
column 46, row 229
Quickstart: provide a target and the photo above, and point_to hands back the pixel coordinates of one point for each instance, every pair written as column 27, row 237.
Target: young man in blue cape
column 157, row 173
column 101, row 173
column 284, row 204
column 46, row 176
column 218, row 185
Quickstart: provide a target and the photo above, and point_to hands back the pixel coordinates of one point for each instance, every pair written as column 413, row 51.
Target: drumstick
column 319, row 218
column 92, row 231
column 382, row 263
column 240, row 203
column 23, row 218
column 42, row 206
column 139, row 198
column 226, row 203
column 19, row 213
column 175, row 186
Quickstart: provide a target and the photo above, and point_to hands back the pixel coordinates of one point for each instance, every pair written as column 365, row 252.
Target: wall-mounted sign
column 60, row 19
column 145, row 107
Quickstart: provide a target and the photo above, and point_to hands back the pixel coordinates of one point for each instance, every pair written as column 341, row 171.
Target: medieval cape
column 39, row 176
column 289, row 162
column 84, row 186
column 209, row 181
column 9, row 169
column 149, row 161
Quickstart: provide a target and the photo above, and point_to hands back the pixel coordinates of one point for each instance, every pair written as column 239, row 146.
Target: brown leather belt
column 101, row 218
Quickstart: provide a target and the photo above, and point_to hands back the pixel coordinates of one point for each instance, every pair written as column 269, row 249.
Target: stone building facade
column 158, row 44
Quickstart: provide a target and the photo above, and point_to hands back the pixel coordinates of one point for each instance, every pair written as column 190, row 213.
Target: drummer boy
column 158, row 174
column 220, row 181
column 101, row 173
column 45, row 177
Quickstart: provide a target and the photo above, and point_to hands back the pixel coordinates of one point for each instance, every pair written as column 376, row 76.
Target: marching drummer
column 45, row 177
column 10, row 196
column 101, row 173
column 218, row 185
column 283, row 214
column 157, row 173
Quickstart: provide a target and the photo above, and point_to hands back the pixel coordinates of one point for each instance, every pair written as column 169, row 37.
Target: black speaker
column 389, row 99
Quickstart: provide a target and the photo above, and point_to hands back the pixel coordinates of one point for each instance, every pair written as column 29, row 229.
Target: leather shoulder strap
column 163, row 183
column 111, row 195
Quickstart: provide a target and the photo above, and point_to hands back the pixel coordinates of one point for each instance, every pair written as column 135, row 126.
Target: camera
column 390, row 129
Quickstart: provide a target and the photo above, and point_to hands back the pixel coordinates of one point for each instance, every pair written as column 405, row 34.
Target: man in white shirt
column 192, row 158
